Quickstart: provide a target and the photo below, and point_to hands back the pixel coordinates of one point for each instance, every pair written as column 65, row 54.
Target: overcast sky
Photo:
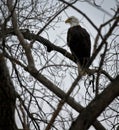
column 58, row 34
column 96, row 15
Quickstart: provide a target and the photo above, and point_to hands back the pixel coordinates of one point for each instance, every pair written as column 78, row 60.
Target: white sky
column 58, row 35
column 97, row 16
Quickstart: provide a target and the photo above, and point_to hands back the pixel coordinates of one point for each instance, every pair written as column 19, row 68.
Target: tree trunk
column 7, row 98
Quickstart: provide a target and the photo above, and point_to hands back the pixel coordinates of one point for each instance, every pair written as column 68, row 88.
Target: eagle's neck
column 74, row 24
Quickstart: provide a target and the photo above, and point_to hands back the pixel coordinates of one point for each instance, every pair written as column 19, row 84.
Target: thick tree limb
column 97, row 106
column 31, row 36
column 61, row 94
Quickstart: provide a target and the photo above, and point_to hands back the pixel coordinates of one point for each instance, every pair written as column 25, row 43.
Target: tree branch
column 20, row 35
column 97, row 106
column 30, row 36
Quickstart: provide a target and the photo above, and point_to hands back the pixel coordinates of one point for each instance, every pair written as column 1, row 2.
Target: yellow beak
column 68, row 20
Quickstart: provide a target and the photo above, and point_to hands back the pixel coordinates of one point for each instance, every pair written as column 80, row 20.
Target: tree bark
column 7, row 98
column 96, row 107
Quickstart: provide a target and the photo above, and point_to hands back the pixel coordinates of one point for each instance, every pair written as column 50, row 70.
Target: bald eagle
column 78, row 40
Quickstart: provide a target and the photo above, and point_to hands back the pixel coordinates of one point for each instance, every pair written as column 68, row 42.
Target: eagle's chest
column 75, row 37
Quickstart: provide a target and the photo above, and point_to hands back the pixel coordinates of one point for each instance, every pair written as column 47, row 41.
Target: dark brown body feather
column 79, row 42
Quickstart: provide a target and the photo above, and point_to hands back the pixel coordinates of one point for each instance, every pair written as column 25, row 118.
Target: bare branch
column 19, row 35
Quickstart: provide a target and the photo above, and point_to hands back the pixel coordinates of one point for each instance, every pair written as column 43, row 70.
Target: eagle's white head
column 73, row 21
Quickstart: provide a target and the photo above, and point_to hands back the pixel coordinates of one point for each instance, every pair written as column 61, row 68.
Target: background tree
column 42, row 86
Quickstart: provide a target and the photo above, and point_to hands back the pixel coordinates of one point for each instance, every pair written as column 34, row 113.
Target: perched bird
column 78, row 40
